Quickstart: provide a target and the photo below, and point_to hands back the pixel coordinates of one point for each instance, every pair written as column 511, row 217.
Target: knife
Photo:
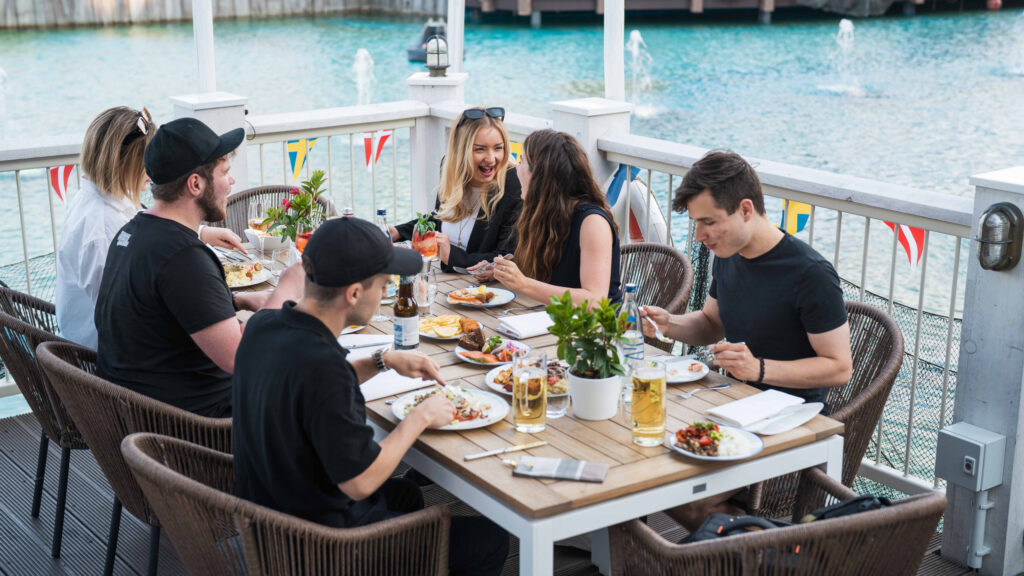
column 506, row 450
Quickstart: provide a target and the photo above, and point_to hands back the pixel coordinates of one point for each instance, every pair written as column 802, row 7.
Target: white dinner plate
column 524, row 347
column 501, row 297
column 257, row 278
column 755, row 443
column 678, row 371
column 498, row 409
column 352, row 329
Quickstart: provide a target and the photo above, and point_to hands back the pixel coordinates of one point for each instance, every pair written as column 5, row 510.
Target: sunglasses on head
column 142, row 124
column 478, row 113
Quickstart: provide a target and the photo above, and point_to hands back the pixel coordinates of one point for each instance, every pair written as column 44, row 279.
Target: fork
column 525, row 309
column 719, row 386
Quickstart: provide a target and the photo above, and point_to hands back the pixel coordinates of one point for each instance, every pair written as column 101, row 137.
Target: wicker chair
column 888, row 541
column 25, row 322
column 269, row 196
column 106, row 413
column 190, row 487
column 877, row 348
column 663, row 277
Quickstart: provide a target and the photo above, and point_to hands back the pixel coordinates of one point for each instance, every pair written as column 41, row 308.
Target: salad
column 468, row 406
column 701, row 438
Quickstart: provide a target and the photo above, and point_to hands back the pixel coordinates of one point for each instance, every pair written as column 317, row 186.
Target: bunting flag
column 795, row 216
column 298, row 150
column 59, row 176
column 912, row 240
column 615, row 188
column 515, row 150
column 373, row 143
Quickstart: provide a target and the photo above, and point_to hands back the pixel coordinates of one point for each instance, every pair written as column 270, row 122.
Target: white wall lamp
column 437, row 56
column 999, row 236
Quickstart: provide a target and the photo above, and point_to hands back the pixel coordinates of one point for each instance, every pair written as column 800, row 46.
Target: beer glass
column 648, row 409
column 529, row 392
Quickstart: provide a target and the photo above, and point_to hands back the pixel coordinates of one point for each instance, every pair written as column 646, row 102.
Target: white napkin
column 363, row 345
column 388, row 384
column 746, row 411
column 526, row 325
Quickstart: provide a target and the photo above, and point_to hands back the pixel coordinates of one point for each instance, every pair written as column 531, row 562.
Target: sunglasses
column 478, row 113
column 142, row 125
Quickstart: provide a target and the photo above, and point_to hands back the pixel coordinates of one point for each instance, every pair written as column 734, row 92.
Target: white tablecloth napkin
column 363, row 345
column 746, row 411
column 390, row 383
column 526, row 325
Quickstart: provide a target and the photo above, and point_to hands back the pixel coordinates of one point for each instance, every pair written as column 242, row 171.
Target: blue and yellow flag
column 515, row 149
column 795, row 216
column 297, row 152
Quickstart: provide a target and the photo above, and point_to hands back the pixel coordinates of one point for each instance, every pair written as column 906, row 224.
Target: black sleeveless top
column 567, row 272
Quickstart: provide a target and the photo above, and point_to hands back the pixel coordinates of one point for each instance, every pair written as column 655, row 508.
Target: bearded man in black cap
column 301, row 442
column 165, row 316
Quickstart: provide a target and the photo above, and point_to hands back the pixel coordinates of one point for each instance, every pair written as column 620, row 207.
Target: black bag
column 847, row 507
column 721, row 525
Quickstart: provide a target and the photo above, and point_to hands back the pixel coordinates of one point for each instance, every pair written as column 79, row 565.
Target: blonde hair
column 457, row 170
column 113, row 152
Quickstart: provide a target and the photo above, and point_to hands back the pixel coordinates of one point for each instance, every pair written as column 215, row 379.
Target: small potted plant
column 587, row 338
column 300, row 212
column 424, row 239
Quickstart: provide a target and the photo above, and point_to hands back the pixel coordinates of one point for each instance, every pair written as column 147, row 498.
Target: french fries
column 444, row 326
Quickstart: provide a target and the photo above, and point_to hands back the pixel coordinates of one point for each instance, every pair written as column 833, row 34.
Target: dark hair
column 171, row 191
column 727, row 176
column 322, row 294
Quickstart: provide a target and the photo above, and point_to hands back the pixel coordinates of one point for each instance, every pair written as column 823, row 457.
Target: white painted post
column 427, row 137
column 220, row 111
column 989, row 391
column 614, row 50
column 588, row 119
column 455, row 27
column 202, row 30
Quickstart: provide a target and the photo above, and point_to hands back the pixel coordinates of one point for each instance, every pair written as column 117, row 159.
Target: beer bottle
column 407, row 316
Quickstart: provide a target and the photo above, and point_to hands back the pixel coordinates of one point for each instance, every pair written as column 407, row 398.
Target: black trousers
column 477, row 546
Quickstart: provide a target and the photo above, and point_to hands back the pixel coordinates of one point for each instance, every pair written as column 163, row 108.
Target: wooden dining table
column 639, row 480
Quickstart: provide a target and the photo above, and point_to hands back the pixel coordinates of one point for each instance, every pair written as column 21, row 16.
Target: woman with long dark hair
column 567, row 237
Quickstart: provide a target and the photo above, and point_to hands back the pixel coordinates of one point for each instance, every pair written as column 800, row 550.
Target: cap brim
column 405, row 262
column 228, row 142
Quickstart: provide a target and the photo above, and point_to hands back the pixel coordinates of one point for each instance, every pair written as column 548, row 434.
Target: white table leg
column 537, row 552
column 600, row 551
column 834, row 464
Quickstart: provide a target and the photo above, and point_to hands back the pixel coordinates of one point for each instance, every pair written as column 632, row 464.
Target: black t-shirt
column 161, row 284
column 567, row 272
column 774, row 301
column 299, row 424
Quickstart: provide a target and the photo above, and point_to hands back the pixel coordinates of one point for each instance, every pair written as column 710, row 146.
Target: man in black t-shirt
column 776, row 301
column 165, row 316
column 301, row 442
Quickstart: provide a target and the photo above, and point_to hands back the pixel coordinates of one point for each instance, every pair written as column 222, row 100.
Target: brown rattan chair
column 191, row 489
column 877, row 348
column 889, row 541
column 663, row 277
column 25, row 322
column 105, row 414
column 237, row 218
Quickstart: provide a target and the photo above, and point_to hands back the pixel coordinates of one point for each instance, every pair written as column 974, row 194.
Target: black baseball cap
column 182, row 145
column 344, row 251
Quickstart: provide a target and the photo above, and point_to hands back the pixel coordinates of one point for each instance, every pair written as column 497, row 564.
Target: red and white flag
column 912, row 240
column 373, row 143
column 59, row 176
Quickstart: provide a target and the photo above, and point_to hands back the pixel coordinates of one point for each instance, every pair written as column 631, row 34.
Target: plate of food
column 711, row 442
column 476, row 408
column 352, row 329
column 242, row 275
column 494, row 351
column 446, row 326
column 499, row 379
column 685, row 370
column 481, row 297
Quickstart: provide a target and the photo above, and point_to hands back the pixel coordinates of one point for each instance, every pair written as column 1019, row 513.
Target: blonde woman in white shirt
column 113, row 178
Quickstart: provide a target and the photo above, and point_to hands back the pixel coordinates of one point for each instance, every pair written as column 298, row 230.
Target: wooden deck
column 25, row 541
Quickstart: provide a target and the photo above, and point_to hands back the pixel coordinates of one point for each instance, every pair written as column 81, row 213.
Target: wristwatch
column 378, row 359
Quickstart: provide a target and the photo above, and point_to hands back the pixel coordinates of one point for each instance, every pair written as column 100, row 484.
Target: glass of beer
column 529, row 392
column 648, row 410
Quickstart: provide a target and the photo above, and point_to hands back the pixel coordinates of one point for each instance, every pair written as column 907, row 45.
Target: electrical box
column 969, row 456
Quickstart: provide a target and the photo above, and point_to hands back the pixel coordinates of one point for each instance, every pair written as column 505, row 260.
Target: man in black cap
column 301, row 442
column 165, row 316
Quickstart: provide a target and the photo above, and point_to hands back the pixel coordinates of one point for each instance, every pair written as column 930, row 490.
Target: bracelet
column 760, row 376
column 200, row 231
column 378, row 359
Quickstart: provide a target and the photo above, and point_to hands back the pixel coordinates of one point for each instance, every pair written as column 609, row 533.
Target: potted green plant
column 587, row 341
column 300, row 212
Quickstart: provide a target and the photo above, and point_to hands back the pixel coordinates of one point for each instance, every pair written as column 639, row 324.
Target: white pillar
column 455, row 26
column 989, row 389
column 202, row 30
column 588, row 119
column 220, row 111
column 614, row 50
column 428, row 136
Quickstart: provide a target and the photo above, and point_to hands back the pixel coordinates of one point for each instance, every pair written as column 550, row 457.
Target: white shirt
column 91, row 222
column 459, row 232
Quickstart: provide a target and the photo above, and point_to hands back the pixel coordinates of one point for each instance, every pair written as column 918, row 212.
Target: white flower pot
column 595, row 399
